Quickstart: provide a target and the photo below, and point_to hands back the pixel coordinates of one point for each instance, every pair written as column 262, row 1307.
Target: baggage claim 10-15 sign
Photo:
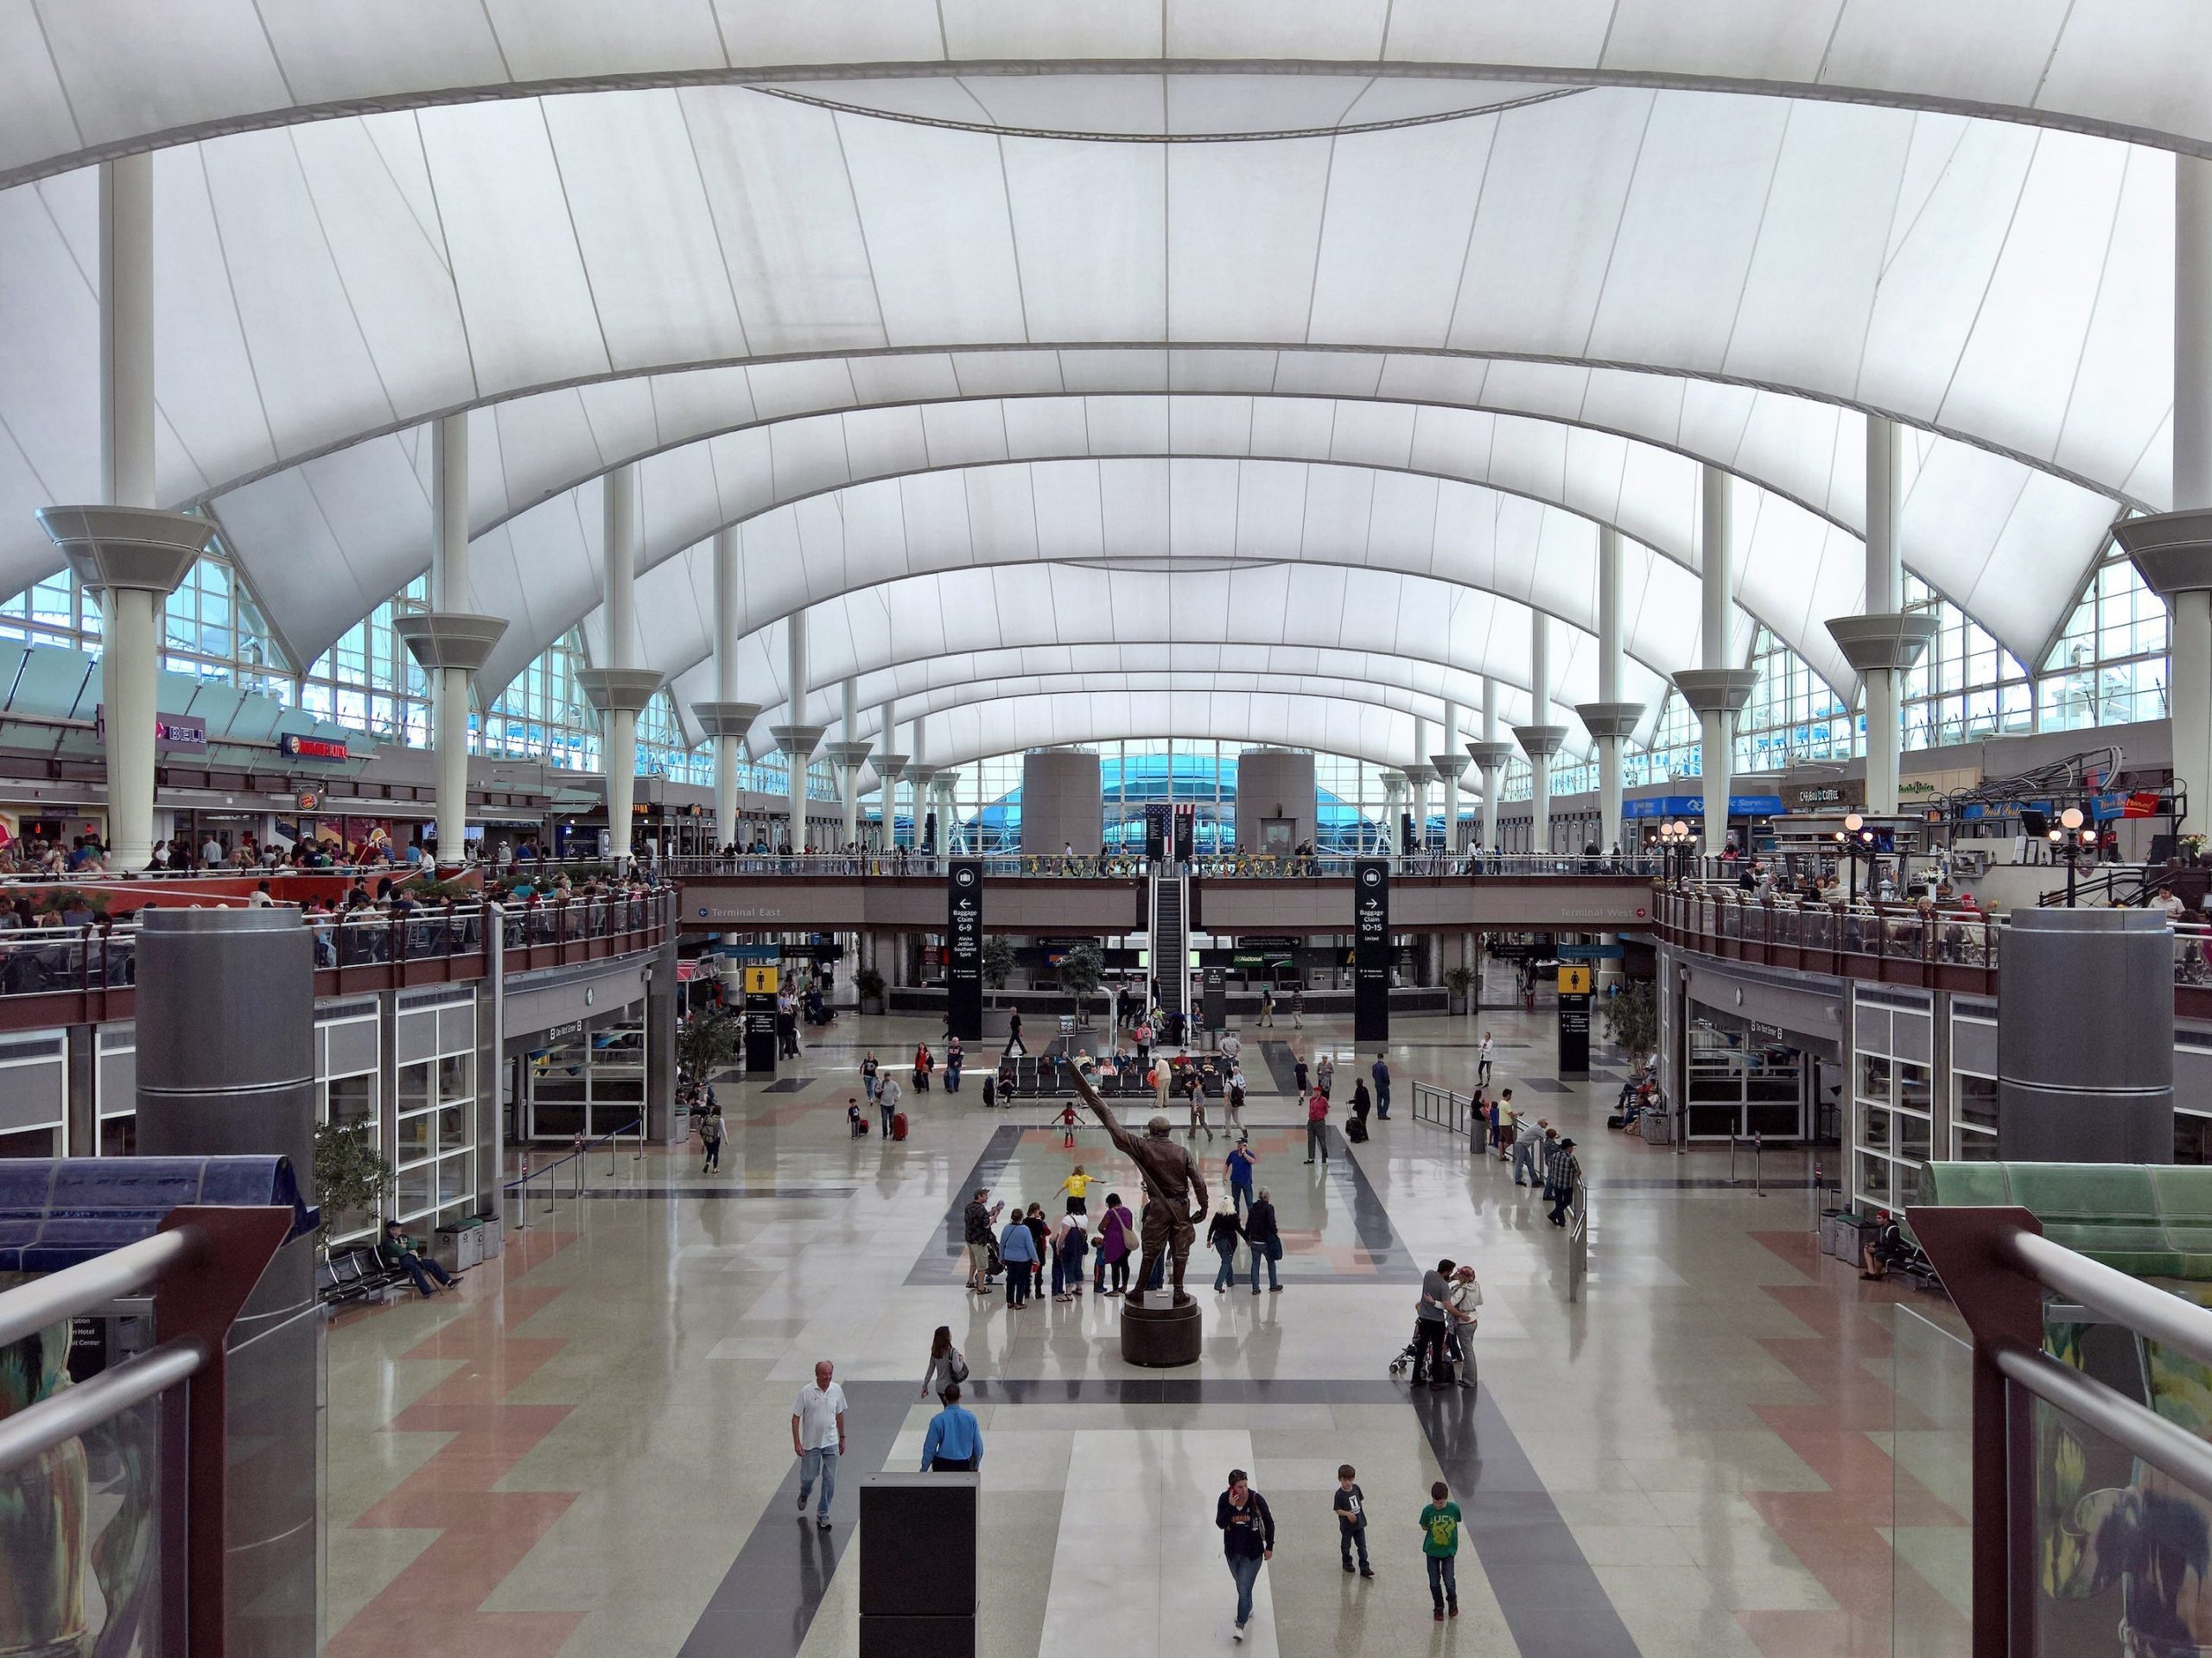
column 1370, row 955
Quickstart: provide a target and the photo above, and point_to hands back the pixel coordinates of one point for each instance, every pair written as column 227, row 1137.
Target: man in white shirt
column 212, row 854
column 818, row 1439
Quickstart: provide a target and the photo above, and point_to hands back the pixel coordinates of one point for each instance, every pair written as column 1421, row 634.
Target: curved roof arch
column 80, row 88
column 946, row 699
column 2009, row 286
column 2017, row 576
column 1192, row 517
column 1075, row 619
column 1792, row 570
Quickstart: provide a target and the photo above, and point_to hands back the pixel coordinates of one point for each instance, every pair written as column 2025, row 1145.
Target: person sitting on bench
column 1886, row 1249
column 405, row 1254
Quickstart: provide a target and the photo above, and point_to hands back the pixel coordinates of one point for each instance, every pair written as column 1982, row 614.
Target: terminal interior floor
column 587, row 1450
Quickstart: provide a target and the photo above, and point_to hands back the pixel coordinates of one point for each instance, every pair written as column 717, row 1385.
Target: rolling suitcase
column 897, row 1125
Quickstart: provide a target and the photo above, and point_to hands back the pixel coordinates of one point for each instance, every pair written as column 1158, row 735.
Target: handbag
column 1275, row 1248
column 956, row 1368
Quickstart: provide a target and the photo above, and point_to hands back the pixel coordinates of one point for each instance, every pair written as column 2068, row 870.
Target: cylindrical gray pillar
column 2085, row 1037
column 226, row 1067
column 1063, row 802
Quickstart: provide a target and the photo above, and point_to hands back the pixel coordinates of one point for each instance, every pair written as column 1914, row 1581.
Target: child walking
column 1350, row 1504
column 1440, row 1542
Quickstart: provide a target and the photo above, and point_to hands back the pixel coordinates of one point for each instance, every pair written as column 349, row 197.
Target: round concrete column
column 2085, row 1037
column 225, row 1015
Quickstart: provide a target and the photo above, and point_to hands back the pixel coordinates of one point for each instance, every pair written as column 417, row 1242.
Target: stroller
column 1458, row 1357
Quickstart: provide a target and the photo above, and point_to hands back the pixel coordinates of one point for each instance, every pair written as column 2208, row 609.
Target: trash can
column 1658, row 1128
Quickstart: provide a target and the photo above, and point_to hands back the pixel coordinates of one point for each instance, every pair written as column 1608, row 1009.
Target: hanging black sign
column 963, row 940
column 1371, row 974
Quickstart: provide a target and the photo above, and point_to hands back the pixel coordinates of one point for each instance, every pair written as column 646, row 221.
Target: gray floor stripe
column 766, row 1601
column 1551, row 1600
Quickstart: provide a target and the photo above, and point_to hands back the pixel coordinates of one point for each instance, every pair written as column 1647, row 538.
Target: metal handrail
column 44, row 1302
column 56, row 1420
column 1997, row 1266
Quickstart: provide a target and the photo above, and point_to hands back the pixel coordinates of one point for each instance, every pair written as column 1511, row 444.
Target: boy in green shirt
column 1439, row 1541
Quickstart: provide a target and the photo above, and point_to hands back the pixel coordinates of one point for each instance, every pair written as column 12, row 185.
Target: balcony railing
column 84, row 974
column 1947, row 949
column 1210, row 866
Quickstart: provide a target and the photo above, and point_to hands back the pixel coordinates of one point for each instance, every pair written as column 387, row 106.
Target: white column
column 853, row 771
column 1884, row 738
column 618, row 540
column 1490, row 752
column 1719, row 725
column 919, row 745
column 889, row 762
column 1540, row 765
column 449, row 593
column 1609, row 681
column 2189, row 673
column 130, row 617
column 1449, row 747
column 727, row 633
column 1418, row 778
column 796, row 676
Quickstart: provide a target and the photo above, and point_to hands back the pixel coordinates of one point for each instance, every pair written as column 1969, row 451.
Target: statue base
column 1160, row 1329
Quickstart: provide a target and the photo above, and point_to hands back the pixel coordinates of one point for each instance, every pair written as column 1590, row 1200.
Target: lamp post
column 2070, row 839
column 1675, row 837
column 1855, row 840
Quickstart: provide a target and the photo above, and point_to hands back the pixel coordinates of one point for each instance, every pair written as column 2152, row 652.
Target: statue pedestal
column 1159, row 1329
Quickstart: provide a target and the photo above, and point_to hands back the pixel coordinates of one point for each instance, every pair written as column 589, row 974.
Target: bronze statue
column 1169, row 1171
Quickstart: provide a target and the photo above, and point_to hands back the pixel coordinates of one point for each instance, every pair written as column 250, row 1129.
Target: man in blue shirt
column 954, row 1443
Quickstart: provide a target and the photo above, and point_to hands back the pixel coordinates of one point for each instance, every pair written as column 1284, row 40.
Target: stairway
column 1170, row 943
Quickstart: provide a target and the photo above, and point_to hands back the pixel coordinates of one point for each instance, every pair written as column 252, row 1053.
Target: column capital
column 799, row 740
column 726, row 719
column 851, row 755
column 1716, row 690
column 1604, row 720
column 130, row 547
column 1491, row 755
column 1541, row 742
column 888, row 765
column 618, row 691
column 1391, row 781
column 1419, row 775
column 2172, row 552
column 1450, row 767
column 449, row 638
column 1882, row 641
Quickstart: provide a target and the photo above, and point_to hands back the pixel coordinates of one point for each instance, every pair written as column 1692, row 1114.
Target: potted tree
column 1461, row 982
column 350, row 1180
column 706, row 1043
column 1632, row 1020
column 998, row 963
column 1083, row 969
column 869, row 983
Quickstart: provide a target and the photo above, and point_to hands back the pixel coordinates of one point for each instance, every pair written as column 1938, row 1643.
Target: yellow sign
column 1573, row 980
column 760, row 980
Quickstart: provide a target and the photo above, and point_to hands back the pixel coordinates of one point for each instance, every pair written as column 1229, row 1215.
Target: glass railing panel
column 1931, row 1452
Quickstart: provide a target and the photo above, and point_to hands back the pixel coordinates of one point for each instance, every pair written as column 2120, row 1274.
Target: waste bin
column 1658, row 1128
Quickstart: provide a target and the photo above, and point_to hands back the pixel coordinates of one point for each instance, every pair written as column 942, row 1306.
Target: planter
column 871, row 1007
column 1456, row 1002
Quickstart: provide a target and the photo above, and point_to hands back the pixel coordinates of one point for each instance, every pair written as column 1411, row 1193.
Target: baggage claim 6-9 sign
column 964, row 952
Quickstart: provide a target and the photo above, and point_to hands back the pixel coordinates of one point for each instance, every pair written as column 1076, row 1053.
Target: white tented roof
column 1207, row 292
column 83, row 78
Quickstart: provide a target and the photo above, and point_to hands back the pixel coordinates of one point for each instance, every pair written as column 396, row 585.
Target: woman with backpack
column 947, row 1368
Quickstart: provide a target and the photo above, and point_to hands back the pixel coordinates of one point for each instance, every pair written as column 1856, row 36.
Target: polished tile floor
column 587, row 1451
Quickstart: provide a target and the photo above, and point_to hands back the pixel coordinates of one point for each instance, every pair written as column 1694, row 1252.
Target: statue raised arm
column 1171, row 1175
